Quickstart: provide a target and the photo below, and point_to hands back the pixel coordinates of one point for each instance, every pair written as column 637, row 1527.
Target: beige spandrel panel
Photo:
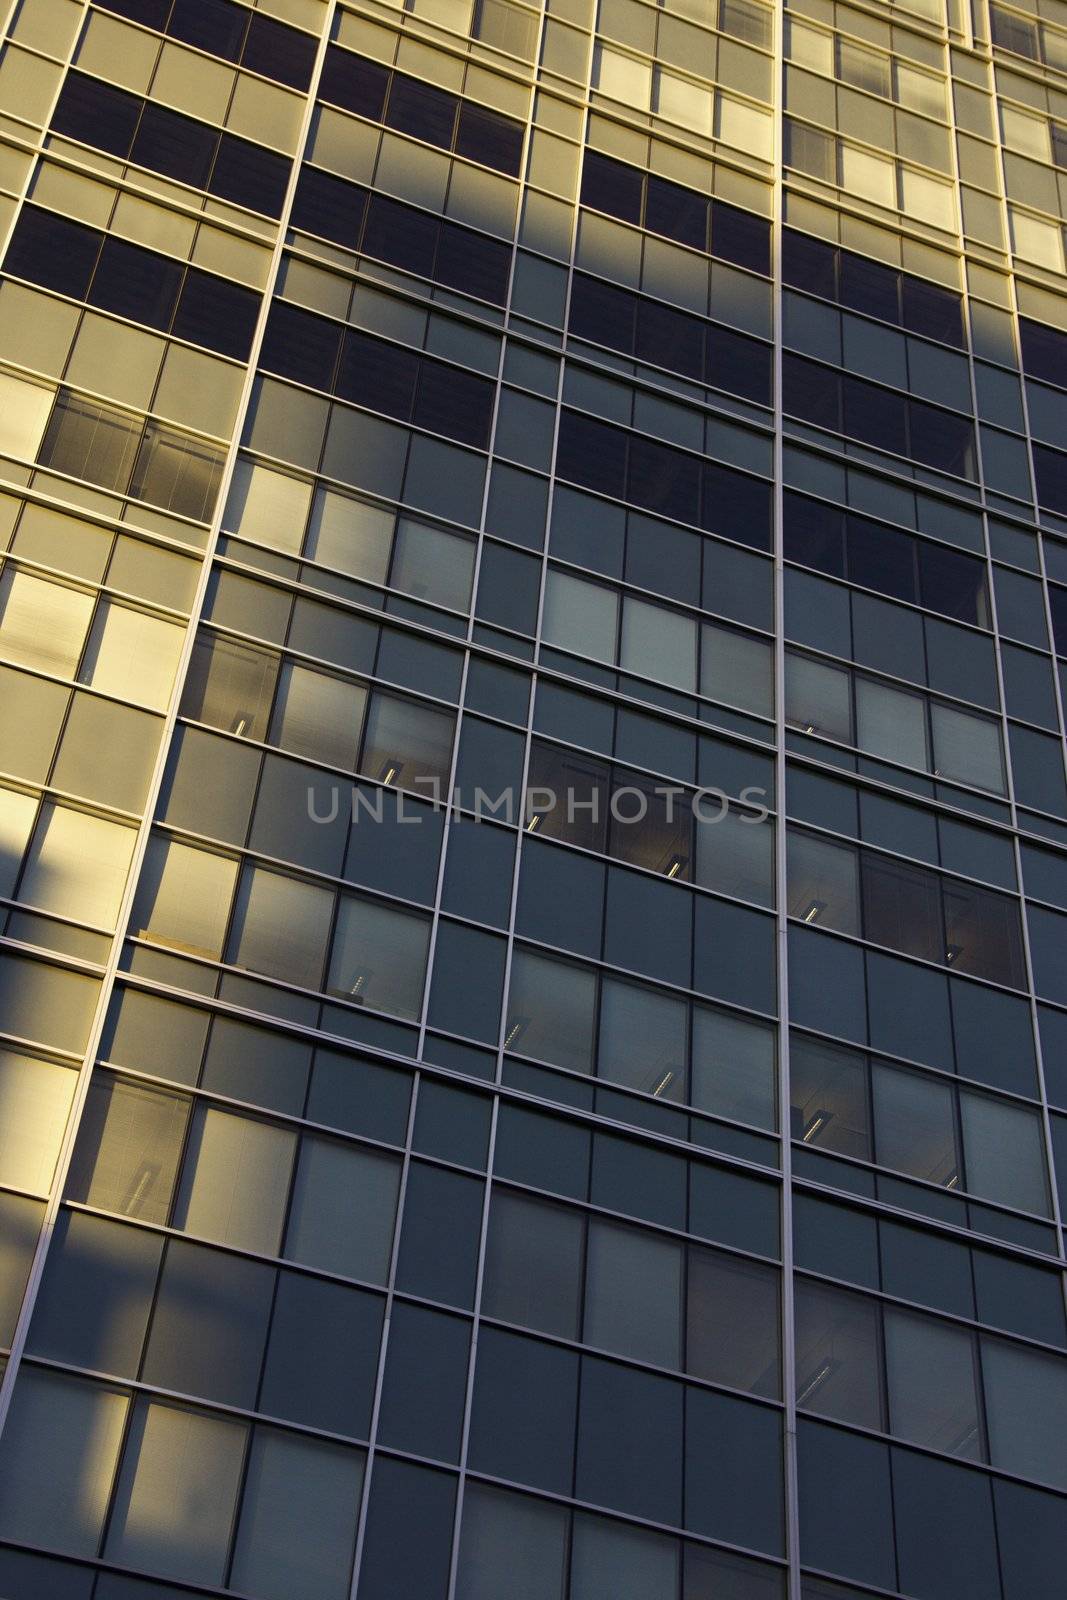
column 113, row 49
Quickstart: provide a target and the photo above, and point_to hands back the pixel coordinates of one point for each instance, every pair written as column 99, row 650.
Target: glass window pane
column 209, row 1325
column 551, row 1010
column 176, row 1493
column 902, row 907
column 319, row 716
column 1004, row 1152
column 267, row 507
column 824, row 888
column 62, row 1443
column 230, row 685
column 736, row 668
column 967, row 748
column 351, row 535
column 299, row 1512
column 183, row 898
column 281, row 926
column 732, row 1322
column 132, row 655
column 642, row 1039
column 129, row 1144
column 511, row 1544
column 379, row 956
column 533, row 1267
column 913, row 1126
column 891, row 724
column 828, row 1087
column 1026, row 1411
column 406, row 743
column 35, row 1099
column 735, row 855
column 343, row 1210
column 77, row 866
column 20, row 1223
column 734, row 1069
column 818, row 698
column 611, row 1561
column 433, row 565
column 235, row 1180
column 580, row 616
column 17, row 814
column 633, row 1293
column 42, row 624
column 658, row 643
column 838, row 1361
column 931, row 1376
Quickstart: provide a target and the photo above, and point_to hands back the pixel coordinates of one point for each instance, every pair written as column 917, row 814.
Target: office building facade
column 533, row 819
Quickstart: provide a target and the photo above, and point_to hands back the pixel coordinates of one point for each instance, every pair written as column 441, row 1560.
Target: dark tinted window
column 609, row 186
column 174, row 145
column 809, row 264
column 53, row 252
column 300, row 346
column 354, row 83
column 740, row 237
column 212, row 25
column 487, row 137
column 679, row 213
column 931, row 310
column 422, row 110
column 278, row 52
column 96, row 113
column 214, row 312
column 250, row 176
column 136, row 283
column 330, row 207
column 866, row 286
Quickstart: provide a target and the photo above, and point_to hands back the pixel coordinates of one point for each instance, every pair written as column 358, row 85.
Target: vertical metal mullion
column 788, row 1350
column 166, row 739
column 379, row 1380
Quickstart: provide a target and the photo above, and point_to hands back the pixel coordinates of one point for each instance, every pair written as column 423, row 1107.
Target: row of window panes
column 864, row 68
column 877, row 416
column 422, row 110
column 849, row 1104
column 888, row 638
column 879, row 179
column 931, row 1382
column 582, row 801
column 256, row 41
column 655, row 556
column 415, row 241
column 662, row 479
column 640, row 84
column 632, row 195
column 281, row 927
column 911, row 730
column 135, row 284
column 366, row 542
column 641, row 1038
column 167, row 142
column 232, row 686
column 906, row 907
column 126, row 454
column 936, row 1270
column 902, row 827
column 382, row 376
column 79, row 634
column 645, row 925
column 1025, row 36
column 637, row 325
column 871, row 287
column 591, row 620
